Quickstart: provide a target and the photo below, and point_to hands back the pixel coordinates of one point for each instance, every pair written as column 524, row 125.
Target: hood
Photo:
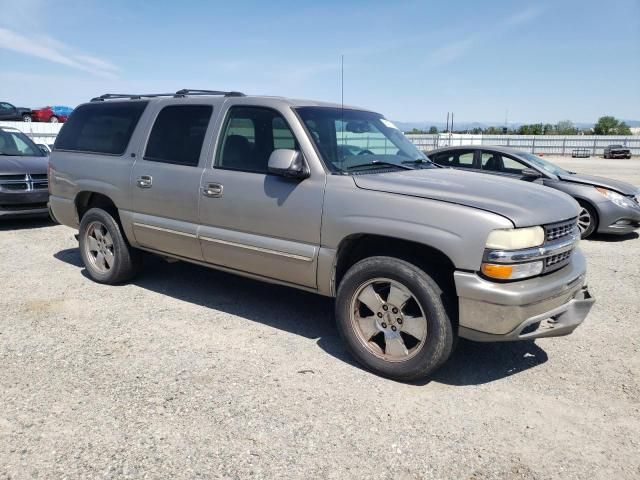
column 18, row 165
column 524, row 203
column 616, row 185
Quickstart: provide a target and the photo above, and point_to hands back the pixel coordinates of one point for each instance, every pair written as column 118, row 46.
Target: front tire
column 391, row 316
column 53, row 119
column 587, row 219
column 105, row 252
column 26, row 117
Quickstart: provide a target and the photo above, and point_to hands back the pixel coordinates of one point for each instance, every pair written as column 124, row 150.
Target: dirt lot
column 191, row 373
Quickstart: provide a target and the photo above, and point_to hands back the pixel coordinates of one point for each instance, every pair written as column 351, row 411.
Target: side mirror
column 288, row 163
column 531, row 174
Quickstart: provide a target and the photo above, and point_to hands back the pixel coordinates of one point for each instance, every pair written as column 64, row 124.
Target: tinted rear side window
column 104, row 127
column 178, row 134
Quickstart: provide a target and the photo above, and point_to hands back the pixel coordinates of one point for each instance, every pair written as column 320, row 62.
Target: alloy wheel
column 388, row 319
column 99, row 247
column 584, row 220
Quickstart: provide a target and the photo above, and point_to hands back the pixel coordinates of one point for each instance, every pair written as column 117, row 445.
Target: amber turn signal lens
column 492, row 270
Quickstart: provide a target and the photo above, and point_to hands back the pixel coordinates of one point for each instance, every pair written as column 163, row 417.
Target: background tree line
column 606, row 125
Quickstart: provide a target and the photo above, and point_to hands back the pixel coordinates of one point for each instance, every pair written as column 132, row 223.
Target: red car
column 57, row 114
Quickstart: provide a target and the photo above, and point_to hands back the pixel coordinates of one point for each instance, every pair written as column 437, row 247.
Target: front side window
column 250, row 135
column 513, row 166
column 356, row 140
column 495, row 162
column 178, row 134
column 491, row 162
column 14, row 143
column 100, row 127
column 455, row 158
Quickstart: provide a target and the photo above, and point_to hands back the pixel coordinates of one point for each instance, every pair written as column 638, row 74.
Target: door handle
column 213, row 190
column 144, row 181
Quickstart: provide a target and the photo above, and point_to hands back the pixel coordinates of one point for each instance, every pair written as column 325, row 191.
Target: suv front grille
column 557, row 233
column 24, row 182
column 559, row 230
column 554, row 260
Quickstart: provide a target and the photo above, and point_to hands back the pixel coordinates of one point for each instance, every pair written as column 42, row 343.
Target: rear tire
column 391, row 316
column 587, row 219
column 105, row 252
column 53, row 119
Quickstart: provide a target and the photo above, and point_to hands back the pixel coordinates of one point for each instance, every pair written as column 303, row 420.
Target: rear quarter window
column 104, row 127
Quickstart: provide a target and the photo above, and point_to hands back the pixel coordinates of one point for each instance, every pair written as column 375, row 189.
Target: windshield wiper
column 376, row 163
column 417, row 161
column 422, row 163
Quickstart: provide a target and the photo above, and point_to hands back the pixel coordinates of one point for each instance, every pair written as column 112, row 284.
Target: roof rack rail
column 180, row 93
column 132, row 96
column 192, row 91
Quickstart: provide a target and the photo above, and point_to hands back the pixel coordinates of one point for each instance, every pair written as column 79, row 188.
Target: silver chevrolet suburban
column 325, row 198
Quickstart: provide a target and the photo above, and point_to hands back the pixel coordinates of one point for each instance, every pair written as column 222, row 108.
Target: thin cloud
column 524, row 16
column 52, row 50
column 454, row 50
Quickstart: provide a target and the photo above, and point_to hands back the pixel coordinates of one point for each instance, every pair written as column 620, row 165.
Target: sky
column 536, row 61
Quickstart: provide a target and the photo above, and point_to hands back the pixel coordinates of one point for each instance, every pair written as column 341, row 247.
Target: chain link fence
column 546, row 144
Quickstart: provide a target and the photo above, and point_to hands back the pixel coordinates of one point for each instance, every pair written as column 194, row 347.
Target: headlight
column 513, row 271
column 510, row 241
column 616, row 198
column 516, row 238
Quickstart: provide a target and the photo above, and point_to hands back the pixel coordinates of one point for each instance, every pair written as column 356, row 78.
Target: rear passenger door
column 254, row 221
column 166, row 177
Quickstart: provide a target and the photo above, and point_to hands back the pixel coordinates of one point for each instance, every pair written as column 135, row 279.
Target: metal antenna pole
column 342, row 95
column 342, row 81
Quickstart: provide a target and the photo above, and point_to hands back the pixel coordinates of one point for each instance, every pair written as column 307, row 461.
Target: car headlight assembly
column 616, row 198
column 516, row 271
column 506, row 243
column 516, row 238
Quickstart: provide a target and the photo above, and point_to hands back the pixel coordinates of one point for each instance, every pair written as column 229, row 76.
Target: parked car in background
column 617, row 151
column 57, row 114
column 23, row 175
column 415, row 255
column 10, row 112
column 606, row 205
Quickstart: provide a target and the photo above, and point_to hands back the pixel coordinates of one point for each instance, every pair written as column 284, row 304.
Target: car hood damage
column 525, row 204
column 615, row 185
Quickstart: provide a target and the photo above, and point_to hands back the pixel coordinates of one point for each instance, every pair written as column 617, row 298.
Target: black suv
column 10, row 112
column 617, row 151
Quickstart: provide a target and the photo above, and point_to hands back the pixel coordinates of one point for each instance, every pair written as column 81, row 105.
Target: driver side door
column 251, row 220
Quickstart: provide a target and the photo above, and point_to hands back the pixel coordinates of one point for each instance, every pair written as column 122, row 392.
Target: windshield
column 17, row 144
column 544, row 164
column 355, row 140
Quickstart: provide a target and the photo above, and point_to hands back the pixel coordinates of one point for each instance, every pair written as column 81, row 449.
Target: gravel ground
column 192, row 373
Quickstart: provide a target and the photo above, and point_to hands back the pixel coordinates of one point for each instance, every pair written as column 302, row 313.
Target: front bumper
column 617, row 220
column 547, row 306
column 23, row 203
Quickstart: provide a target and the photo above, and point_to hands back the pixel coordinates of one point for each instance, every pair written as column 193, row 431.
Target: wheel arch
column 433, row 261
column 87, row 199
